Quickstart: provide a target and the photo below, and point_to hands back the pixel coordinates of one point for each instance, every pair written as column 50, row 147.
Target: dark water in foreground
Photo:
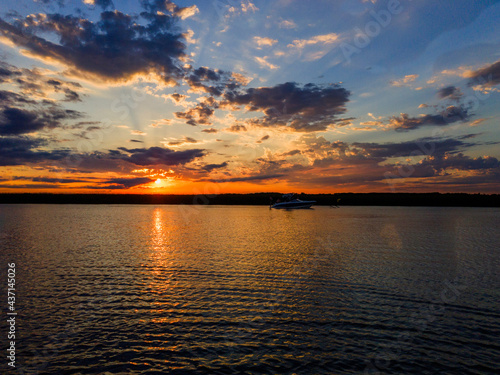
column 230, row 290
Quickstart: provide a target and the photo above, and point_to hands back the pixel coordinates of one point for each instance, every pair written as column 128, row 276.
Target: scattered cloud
column 200, row 114
column 237, row 128
column 324, row 39
column 405, row 81
column 478, row 121
column 264, row 63
column 179, row 142
column 137, row 132
column 315, row 47
column 104, row 4
column 264, row 41
column 245, row 7
column 211, row 81
column 287, row 24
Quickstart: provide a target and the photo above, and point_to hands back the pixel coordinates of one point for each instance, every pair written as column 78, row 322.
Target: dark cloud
column 488, row 76
column 57, row 180
column 450, row 92
column 104, row 4
column 178, row 97
column 7, row 72
column 452, row 114
column 247, row 178
column 20, row 121
column 291, row 153
column 209, row 130
column 158, row 156
column 182, row 141
column 422, row 146
column 21, row 150
column 213, row 82
column 103, row 49
column 306, row 108
column 461, row 162
column 237, row 128
column 31, row 83
column 211, row 167
column 264, row 138
column 125, row 183
column 198, row 115
column 21, row 113
column 11, row 98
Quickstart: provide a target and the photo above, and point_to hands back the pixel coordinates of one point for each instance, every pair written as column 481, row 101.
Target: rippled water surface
column 230, row 290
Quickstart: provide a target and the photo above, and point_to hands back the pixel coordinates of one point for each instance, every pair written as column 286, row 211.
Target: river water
column 117, row 289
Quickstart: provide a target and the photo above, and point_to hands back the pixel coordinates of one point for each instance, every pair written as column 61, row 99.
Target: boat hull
column 293, row 205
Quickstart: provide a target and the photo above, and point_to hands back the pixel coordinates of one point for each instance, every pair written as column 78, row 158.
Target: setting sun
column 158, row 181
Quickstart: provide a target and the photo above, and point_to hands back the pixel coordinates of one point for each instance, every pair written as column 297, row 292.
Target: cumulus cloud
column 197, row 115
column 300, row 108
column 21, row 113
column 211, row 81
column 451, row 114
column 22, row 121
column 245, row 7
column 33, row 83
column 102, row 49
column 237, row 128
column 157, row 156
column 22, row 150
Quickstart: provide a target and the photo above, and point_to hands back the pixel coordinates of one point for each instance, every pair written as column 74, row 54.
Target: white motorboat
column 289, row 202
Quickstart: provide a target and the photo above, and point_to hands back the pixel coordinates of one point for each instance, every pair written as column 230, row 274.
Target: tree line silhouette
column 340, row 199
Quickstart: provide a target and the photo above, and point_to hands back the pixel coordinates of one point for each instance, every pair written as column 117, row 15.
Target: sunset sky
column 224, row 96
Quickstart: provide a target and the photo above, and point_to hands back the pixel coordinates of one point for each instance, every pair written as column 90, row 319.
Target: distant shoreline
column 341, row 199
